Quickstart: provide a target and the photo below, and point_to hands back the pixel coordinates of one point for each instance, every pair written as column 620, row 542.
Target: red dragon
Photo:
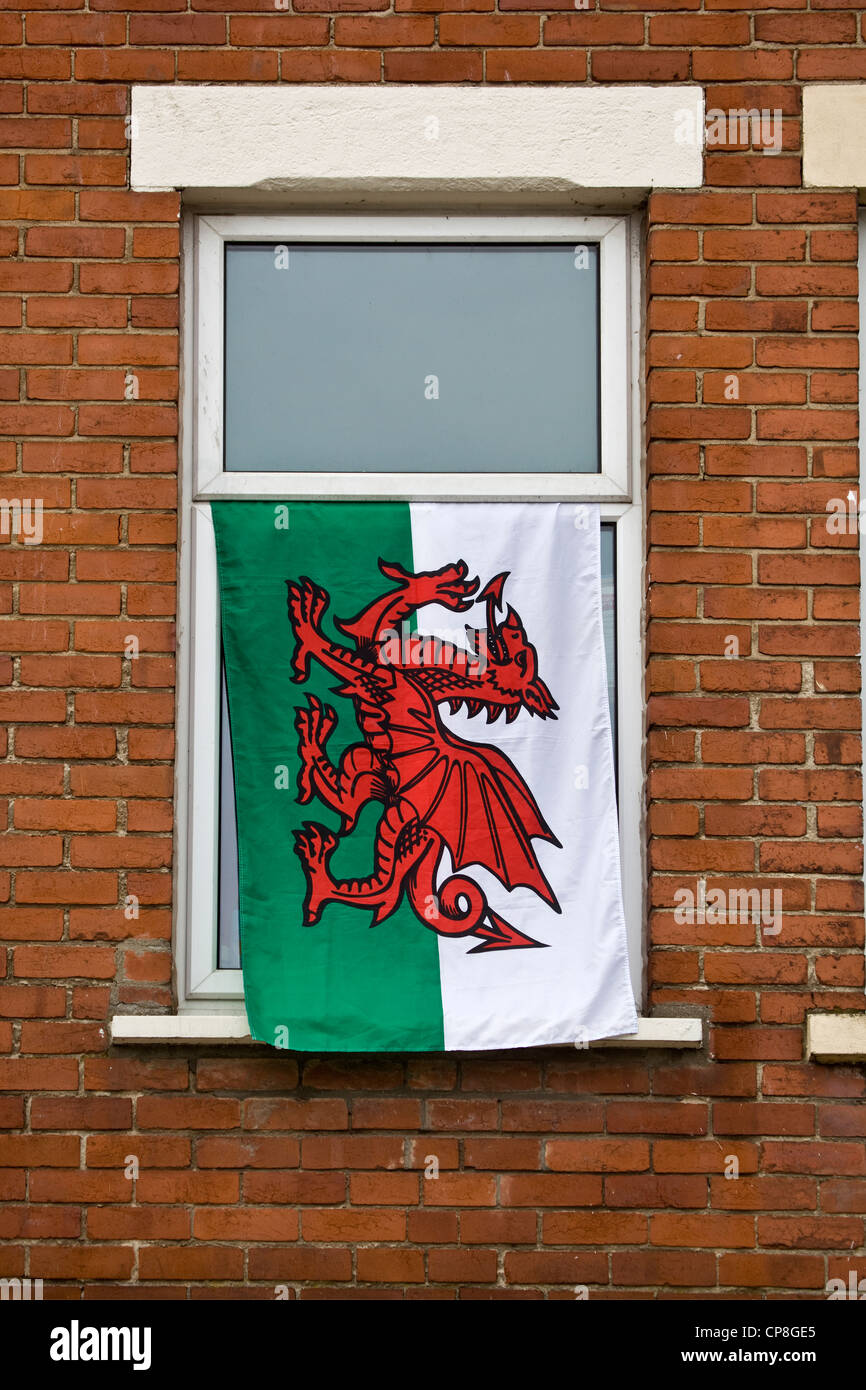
column 437, row 790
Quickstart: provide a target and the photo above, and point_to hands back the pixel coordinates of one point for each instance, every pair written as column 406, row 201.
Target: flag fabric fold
column 428, row 852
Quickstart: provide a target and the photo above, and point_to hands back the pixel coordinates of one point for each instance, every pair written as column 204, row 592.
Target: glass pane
column 412, row 358
column 229, row 938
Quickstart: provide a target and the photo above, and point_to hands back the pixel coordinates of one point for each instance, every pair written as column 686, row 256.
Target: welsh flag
column 424, row 777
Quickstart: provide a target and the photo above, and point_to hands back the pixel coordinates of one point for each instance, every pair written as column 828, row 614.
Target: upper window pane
column 383, row 358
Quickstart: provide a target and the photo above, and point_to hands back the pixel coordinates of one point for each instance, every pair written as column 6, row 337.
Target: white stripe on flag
column 579, row 989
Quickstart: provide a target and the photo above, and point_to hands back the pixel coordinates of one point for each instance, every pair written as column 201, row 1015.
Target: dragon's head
column 499, row 671
column 506, row 666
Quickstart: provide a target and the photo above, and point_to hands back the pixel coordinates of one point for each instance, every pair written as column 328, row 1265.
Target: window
column 315, row 346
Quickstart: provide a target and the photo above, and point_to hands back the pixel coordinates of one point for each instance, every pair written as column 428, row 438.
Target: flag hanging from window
column 424, row 776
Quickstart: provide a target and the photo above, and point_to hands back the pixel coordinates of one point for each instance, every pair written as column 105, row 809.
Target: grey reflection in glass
column 379, row 358
column 229, row 938
column 608, row 614
column 229, row 942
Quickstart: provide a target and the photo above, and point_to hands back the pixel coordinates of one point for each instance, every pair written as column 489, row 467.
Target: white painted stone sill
column 836, row 1037
column 193, row 1028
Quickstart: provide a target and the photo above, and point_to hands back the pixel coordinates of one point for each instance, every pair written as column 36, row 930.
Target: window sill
column 836, row 1038
column 194, row 1028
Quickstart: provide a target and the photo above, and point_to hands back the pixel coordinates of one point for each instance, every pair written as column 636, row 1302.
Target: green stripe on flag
column 339, row 985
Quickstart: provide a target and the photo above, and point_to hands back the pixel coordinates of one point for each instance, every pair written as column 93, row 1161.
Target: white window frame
column 611, row 234
column 618, row 488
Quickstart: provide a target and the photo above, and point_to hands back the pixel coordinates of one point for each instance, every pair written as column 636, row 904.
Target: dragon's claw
column 308, row 603
column 314, row 845
column 315, row 726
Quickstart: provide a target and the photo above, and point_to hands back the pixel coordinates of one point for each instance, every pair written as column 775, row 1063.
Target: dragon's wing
column 474, row 797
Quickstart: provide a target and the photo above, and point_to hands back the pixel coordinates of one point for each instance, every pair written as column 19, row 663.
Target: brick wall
column 556, row 1169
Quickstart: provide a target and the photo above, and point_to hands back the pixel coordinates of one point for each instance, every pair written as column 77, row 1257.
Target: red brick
column 771, row 1271
column 251, row 1224
column 705, row 1229
column 391, row 1266
column 641, row 1268
column 597, row 1155
column 303, row 1263
column 191, row 1262
column 177, row 29
column 433, row 67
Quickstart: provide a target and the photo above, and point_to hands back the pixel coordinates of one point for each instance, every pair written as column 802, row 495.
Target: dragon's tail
column 499, row 935
column 458, row 907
